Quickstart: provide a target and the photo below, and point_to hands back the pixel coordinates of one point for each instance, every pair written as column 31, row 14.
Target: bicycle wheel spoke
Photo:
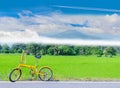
column 15, row 75
column 45, row 74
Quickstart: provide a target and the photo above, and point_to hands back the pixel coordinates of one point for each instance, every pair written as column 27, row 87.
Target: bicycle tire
column 45, row 74
column 15, row 72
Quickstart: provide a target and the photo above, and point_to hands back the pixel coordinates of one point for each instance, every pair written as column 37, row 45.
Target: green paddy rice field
column 66, row 67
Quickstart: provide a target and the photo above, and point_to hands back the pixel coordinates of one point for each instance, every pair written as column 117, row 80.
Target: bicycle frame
column 28, row 66
column 32, row 67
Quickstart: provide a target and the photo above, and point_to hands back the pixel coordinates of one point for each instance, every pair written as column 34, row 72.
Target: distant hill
column 72, row 34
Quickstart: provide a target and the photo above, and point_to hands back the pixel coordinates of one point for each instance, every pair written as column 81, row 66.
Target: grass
column 66, row 67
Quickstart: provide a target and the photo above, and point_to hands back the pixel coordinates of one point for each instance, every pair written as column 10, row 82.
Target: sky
column 33, row 20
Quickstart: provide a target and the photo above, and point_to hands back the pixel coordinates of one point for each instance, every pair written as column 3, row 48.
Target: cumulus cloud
column 29, row 26
column 28, row 36
column 60, row 22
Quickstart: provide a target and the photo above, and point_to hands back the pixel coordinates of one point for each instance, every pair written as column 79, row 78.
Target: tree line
column 34, row 49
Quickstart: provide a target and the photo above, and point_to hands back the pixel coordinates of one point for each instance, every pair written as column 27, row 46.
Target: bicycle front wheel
column 15, row 74
column 45, row 74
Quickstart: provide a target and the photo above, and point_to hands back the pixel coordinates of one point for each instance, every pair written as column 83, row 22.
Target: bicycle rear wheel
column 15, row 74
column 45, row 74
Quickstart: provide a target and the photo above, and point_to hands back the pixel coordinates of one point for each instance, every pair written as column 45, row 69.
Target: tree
column 0, row 49
column 42, row 52
column 99, row 53
column 72, row 50
column 109, row 51
column 5, row 48
column 65, row 50
column 53, row 50
column 33, row 48
column 17, row 48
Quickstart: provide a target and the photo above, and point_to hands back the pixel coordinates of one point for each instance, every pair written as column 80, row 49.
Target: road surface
column 58, row 84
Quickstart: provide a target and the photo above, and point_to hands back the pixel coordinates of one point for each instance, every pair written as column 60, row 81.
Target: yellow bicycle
column 44, row 73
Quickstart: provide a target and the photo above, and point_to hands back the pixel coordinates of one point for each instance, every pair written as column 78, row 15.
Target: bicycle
column 45, row 73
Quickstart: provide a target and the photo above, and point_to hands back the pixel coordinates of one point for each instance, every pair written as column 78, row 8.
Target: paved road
column 40, row 84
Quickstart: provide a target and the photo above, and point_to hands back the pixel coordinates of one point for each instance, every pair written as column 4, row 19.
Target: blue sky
column 28, row 20
column 11, row 8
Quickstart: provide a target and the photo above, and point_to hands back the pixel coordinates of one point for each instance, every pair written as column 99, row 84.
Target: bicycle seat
column 38, row 56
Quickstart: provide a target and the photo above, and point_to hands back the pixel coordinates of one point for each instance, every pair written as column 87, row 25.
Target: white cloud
column 32, row 36
column 96, row 23
column 26, row 28
column 60, row 22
